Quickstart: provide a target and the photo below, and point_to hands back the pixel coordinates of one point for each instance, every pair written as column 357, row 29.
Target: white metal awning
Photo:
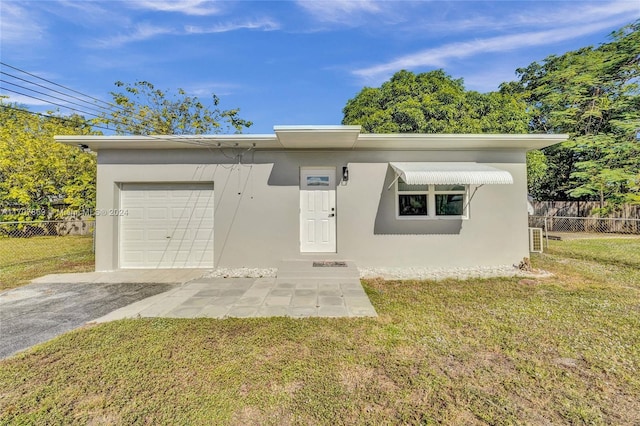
column 445, row 173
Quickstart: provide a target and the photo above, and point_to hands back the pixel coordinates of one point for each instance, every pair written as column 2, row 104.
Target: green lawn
column 23, row 259
column 617, row 251
column 563, row 350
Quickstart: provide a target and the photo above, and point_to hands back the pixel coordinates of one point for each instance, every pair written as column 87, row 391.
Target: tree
column 591, row 94
column 434, row 102
column 36, row 173
column 141, row 109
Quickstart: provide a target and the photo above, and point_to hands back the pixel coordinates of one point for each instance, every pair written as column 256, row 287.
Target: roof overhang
column 449, row 141
column 321, row 138
column 446, row 173
column 317, row 137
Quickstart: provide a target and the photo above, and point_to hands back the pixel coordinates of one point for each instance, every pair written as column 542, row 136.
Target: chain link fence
column 585, row 225
column 32, row 249
column 56, row 228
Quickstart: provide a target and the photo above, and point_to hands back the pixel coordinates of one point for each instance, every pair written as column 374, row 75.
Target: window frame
column 431, row 193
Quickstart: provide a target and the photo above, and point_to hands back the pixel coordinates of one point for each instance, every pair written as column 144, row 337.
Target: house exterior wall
column 256, row 219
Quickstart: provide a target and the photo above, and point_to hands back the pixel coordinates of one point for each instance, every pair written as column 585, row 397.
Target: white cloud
column 90, row 14
column 489, row 80
column 579, row 13
column 146, row 31
column 141, row 32
column 18, row 25
column 205, row 90
column 341, row 11
column 580, row 22
column 542, row 15
column 187, row 7
column 22, row 100
column 264, row 25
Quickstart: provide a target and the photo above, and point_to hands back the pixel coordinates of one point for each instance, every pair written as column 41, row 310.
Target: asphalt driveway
column 35, row 313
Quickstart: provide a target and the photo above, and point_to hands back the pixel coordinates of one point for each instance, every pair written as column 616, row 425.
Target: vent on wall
column 535, row 240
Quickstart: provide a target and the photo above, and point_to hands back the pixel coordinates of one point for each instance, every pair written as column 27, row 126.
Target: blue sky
column 289, row 62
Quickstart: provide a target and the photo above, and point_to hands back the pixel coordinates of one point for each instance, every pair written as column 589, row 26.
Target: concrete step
column 317, row 268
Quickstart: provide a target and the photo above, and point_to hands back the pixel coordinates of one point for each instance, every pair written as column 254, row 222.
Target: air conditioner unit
column 535, row 240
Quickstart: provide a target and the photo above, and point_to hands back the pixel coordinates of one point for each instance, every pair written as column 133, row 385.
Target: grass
column 23, row 259
column 501, row 351
column 621, row 251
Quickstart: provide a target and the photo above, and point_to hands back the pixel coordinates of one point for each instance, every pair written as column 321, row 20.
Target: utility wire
column 50, row 102
column 51, row 96
column 101, row 110
column 85, row 122
column 52, row 90
column 184, row 139
column 60, row 85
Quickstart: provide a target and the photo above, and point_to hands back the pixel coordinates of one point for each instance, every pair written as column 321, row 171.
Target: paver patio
column 299, row 290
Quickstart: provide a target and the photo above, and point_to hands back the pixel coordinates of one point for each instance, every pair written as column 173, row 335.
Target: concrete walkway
column 299, row 290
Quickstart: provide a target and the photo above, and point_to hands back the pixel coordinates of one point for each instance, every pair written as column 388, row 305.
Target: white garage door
column 166, row 225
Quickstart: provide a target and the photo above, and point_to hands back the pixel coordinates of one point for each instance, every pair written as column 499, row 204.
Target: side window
column 450, row 200
column 431, row 201
column 412, row 199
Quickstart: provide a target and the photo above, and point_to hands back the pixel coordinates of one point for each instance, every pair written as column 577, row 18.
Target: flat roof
column 321, row 138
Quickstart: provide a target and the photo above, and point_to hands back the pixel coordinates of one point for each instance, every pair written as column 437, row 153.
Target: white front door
column 166, row 225
column 318, row 210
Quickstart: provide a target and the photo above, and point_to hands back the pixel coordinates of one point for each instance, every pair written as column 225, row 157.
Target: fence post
column 546, row 233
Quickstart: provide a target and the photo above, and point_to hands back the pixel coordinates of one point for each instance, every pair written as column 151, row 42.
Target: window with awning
column 440, row 190
column 445, row 173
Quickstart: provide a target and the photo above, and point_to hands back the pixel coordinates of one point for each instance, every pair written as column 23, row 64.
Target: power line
column 183, row 139
column 50, row 89
column 52, row 103
column 60, row 85
column 51, row 96
column 101, row 109
column 96, row 108
column 26, row 111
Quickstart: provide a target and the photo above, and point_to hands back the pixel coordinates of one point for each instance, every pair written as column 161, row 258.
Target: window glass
column 412, row 205
column 403, row 186
column 317, row 180
column 450, row 188
column 449, row 204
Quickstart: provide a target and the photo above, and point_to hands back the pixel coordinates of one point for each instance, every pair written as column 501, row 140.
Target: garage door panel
column 157, row 235
column 179, row 213
column 177, row 258
column 182, row 212
column 157, row 213
column 203, row 235
column 157, row 194
column 135, row 212
column 134, row 258
column 135, row 235
column 201, row 213
column 133, row 195
column 181, row 235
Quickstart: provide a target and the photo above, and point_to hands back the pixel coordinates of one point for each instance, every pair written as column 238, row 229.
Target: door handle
column 332, row 215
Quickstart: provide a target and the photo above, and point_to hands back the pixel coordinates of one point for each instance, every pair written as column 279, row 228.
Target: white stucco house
column 316, row 192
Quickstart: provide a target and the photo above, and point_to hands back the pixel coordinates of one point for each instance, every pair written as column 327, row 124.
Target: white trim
column 431, row 193
column 323, row 138
column 317, row 194
column 195, row 213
